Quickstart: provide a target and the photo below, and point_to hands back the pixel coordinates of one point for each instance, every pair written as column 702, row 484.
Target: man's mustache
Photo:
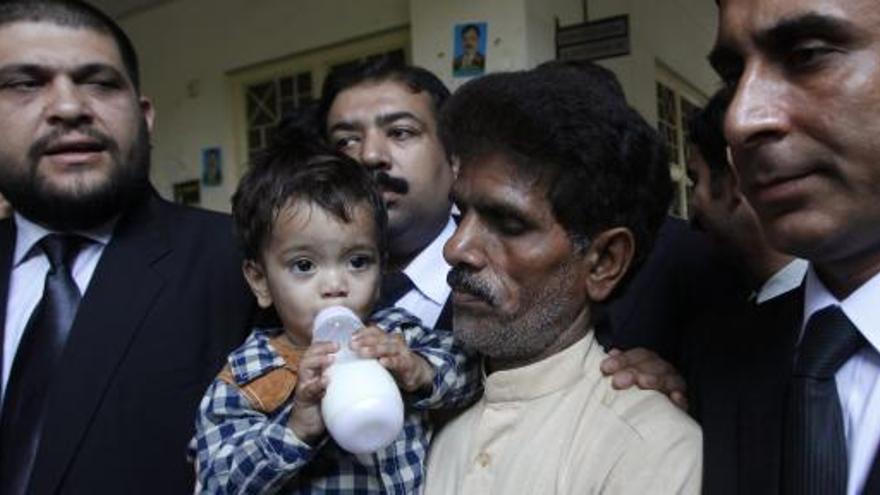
column 463, row 280
column 41, row 145
column 393, row 184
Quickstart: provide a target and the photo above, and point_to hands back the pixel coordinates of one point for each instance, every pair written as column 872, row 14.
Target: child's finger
column 370, row 331
column 399, row 363
column 321, row 348
column 392, row 345
column 371, row 346
column 314, row 365
column 368, row 337
column 392, row 363
column 312, row 390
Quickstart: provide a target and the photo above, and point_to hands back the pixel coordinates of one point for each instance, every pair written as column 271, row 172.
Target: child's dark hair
column 298, row 168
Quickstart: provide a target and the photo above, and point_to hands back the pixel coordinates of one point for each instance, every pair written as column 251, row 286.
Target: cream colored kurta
column 557, row 427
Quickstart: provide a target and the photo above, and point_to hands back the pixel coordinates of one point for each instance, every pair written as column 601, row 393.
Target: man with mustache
column 118, row 307
column 760, row 277
column 562, row 187
column 384, row 115
column 720, row 209
column 802, row 128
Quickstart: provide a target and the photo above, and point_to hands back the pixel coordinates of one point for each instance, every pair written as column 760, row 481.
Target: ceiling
column 121, row 8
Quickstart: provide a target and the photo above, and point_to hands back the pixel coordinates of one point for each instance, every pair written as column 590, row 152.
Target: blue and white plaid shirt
column 241, row 450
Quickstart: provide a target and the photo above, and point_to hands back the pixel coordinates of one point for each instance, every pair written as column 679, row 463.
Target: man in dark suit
column 802, row 128
column 759, row 281
column 384, row 115
column 118, row 307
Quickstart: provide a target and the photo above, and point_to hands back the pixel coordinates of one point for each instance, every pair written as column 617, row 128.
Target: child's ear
column 256, row 278
column 609, row 256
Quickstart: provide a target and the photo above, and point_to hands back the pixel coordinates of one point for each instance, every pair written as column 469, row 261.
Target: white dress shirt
column 28, row 275
column 858, row 380
column 428, row 273
column 788, row 278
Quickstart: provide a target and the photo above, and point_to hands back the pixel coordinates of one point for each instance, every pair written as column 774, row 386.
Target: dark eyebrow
column 787, row 32
column 389, row 118
column 88, row 70
column 500, row 210
column 781, row 36
column 27, row 69
column 343, row 126
column 381, row 121
column 78, row 73
column 496, row 210
column 722, row 57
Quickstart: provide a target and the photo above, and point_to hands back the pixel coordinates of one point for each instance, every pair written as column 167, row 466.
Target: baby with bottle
column 313, row 224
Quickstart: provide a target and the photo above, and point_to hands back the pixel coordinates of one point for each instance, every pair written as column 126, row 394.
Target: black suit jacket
column 742, row 396
column 738, row 395
column 683, row 277
column 165, row 305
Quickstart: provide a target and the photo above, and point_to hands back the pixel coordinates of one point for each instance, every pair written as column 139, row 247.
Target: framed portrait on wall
column 469, row 42
column 212, row 166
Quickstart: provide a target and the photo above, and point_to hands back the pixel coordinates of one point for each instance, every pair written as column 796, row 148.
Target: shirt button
column 483, row 459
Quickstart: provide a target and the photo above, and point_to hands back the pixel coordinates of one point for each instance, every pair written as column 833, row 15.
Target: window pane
column 262, row 104
column 286, row 87
column 304, row 82
column 667, row 120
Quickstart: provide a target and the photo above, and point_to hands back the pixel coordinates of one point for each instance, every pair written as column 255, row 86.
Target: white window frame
column 684, row 94
column 317, row 61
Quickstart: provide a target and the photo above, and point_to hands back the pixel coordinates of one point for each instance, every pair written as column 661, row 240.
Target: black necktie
column 394, row 286
column 815, row 459
column 35, row 362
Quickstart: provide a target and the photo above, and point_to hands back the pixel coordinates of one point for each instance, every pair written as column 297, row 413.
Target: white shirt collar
column 28, row 233
column 423, row 269
column 860, row 307
column 787, row 279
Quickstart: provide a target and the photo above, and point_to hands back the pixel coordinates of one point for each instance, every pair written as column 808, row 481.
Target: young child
column 313, row 227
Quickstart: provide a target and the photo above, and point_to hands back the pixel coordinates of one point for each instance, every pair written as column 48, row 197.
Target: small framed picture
column 469, row 40
column 212, row 166
column 187, row 192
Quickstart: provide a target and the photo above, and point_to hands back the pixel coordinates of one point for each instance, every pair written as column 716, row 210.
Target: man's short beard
column 64, row 210
column 549, row 311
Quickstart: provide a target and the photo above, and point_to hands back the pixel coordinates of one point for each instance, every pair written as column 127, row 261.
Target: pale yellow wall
column 679, row 35
column 675, row 33
column 520, row 32
column 432, row 28
column 188, row 49
column 541, row 16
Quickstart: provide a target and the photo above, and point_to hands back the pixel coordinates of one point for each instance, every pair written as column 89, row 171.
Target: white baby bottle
column 362, row 407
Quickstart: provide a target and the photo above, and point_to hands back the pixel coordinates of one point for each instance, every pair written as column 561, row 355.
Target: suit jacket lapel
column 768, row 358
column 123, row 289
column 444, row 321
column 7, row 248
